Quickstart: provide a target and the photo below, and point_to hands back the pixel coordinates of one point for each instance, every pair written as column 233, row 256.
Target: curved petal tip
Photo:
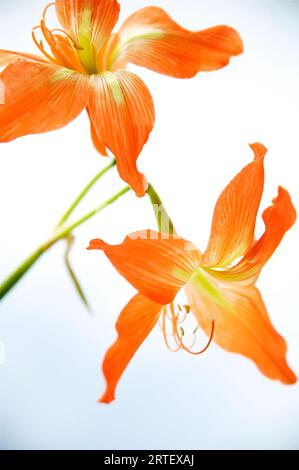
column 291, row 378
column 97, row 244
column 141, row 185
column 259, row 150
column 287, row 209
column 106, row 398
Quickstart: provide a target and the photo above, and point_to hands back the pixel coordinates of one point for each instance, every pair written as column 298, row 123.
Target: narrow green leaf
column 70, row 241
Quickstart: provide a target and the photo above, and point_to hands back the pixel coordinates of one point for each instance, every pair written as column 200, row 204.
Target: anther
column 195, row 330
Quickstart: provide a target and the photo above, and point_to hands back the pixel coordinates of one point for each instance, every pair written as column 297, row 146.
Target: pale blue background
column 51, row 375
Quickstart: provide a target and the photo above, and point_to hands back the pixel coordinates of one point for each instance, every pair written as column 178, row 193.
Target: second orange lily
column 84, row 67
column 219, row 284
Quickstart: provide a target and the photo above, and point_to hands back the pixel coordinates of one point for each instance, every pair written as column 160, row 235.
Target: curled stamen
column 46, row 9
column 178, row 317
column 48, row 34
column 166, row 336
column 197, row 353
column 177, row 332
column 170, row 313
column 76, row 46
column 182, row 319
column 39, row 44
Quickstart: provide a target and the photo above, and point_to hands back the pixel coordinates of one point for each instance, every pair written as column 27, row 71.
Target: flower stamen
column 177, row 332
column 197, row 353
column 39, row 44
column 76, row 45
column 166, row 311
column 46, row 9
column 62, row 49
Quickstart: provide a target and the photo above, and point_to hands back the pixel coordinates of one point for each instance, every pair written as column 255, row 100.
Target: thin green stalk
column 69, row 245
column 12, row 280
column 60, row 233
column 164, row 222
column 84, row 192
column 64, row 231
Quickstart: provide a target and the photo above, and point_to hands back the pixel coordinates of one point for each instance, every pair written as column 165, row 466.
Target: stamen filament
column 178, row 332
column 46, row 9
column 68, row 36
column 206, row 347
column 40, row 46
column 166, row 336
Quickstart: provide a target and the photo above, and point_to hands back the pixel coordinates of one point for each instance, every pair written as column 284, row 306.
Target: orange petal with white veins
column 157, row 267
column 278, row 219
column 122, row 112
column 134, row 324
column 88, row 20
column 39, row 97
column 242, row 324
column 151, row 39
column 8, row 57
column 235, row 213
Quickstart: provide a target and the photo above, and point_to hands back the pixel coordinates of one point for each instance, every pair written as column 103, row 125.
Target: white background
column 52, row 377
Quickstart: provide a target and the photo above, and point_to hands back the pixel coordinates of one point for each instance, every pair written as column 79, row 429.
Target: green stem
column 84, row 192
column 64, row 231
column 60, row 233
column 12, row 280
column 164, row 222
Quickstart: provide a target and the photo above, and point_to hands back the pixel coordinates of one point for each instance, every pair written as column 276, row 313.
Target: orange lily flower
column 219, row 284
column 84, row 66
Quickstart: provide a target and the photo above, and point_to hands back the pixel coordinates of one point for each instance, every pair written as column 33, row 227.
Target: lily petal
column 8, row 57
column 151, row 39
column 278, row 219
column 39, row 98
column 242, row 324
column 154, row 263
column 234, row 219
column 96, row 140
column 122, row 112
column 135, row 323
column 89, row 22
